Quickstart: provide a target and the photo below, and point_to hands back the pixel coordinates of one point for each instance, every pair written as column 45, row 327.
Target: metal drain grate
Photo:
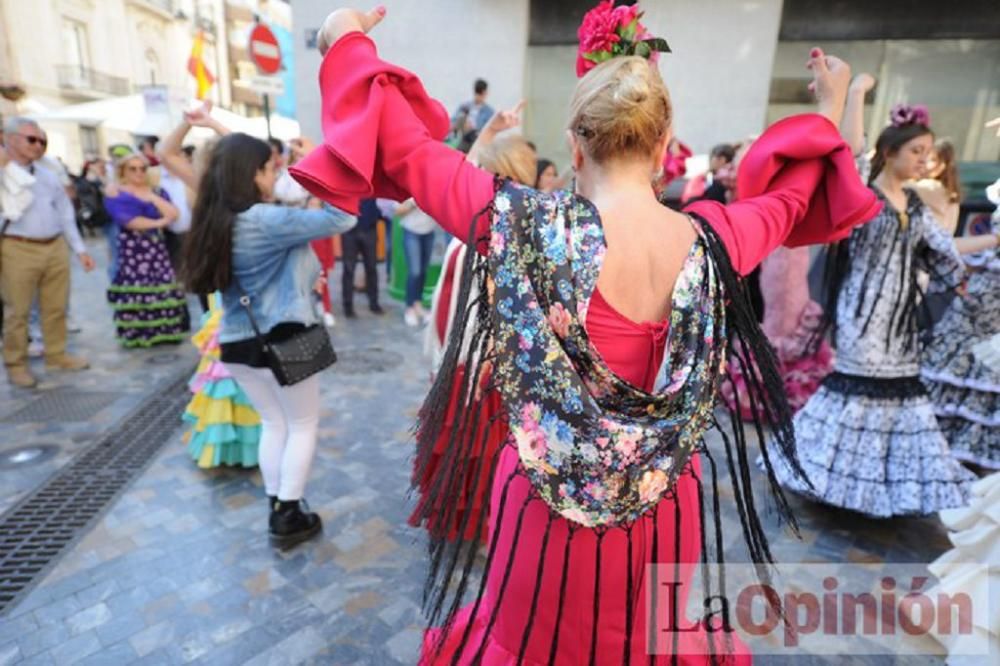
column 38, row 530
column 62, row 404
column 369, row 359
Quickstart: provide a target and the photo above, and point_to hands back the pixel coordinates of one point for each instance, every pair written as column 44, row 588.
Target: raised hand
column 831, row 78
column 862, row 83
column 994, row 123
column 200, row 117
column 343, row 21
column 505, row 120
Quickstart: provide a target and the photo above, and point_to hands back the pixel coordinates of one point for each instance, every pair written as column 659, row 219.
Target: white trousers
column 289, row 417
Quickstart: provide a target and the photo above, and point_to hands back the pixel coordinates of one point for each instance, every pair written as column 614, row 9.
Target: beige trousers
column 27, row 269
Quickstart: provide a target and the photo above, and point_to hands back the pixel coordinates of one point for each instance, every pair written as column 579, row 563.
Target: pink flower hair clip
column 905, row 114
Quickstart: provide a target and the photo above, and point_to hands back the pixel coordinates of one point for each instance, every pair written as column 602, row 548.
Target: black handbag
column 300, row 356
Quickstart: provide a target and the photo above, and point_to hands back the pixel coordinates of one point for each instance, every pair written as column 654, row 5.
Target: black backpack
column 90, row 211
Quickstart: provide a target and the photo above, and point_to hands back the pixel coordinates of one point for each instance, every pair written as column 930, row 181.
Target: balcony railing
column 86, row 80
column 166, row 6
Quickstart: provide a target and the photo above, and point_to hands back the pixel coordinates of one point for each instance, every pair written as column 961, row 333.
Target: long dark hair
column 890, row 141
column 542, row 165
column 226, row 189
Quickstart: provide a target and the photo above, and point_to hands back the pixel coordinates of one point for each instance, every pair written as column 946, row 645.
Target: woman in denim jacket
column 239, row 244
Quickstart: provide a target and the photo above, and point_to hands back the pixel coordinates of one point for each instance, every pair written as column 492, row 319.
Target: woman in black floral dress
column 149, row 306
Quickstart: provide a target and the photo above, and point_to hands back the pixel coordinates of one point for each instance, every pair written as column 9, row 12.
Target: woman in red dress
column 606, row 338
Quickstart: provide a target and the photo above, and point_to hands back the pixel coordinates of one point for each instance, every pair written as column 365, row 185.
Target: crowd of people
column 585, row 334
column 140, row 200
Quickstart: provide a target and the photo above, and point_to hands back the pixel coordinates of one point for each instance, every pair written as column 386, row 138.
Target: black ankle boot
column 290, row 525
column 272, row 500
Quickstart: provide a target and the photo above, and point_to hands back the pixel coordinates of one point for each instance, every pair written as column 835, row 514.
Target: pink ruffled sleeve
column 382, row 137
column 797, row 186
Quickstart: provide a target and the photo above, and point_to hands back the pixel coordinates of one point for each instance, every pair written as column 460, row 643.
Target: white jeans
column 289, row 417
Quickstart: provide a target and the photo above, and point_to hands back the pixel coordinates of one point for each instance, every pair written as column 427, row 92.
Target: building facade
column 60, row 53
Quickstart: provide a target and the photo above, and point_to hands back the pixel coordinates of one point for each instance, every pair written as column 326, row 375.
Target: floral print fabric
column 148, row 304
column 597, row 450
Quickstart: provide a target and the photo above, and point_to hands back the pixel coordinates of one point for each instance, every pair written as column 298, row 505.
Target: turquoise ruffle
column 232, row 445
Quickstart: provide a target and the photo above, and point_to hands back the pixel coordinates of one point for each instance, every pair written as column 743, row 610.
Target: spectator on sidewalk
column 35, row 261
column 90, row 212
column 418, row 244
column 15, row 195
column 708, row 186
column 147, row 148
column 472, row 116
column 288, row 192
column 277, row 154
column 362, row 239
column 175, row 232
column 149, row 307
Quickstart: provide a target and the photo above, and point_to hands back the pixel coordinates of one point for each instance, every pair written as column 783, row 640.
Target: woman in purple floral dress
column 149, row 306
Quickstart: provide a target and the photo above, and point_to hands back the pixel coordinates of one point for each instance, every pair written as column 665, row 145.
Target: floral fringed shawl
column 598, row 451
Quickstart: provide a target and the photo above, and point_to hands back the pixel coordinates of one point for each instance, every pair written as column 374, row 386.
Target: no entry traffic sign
column 264, row 50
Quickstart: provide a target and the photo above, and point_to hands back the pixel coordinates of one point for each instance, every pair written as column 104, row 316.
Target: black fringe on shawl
column 909, row 308
column 455, row 465
column 748, row 347
column 751, row 350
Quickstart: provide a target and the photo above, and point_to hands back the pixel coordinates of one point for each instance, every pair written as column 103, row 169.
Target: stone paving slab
column 180, row 569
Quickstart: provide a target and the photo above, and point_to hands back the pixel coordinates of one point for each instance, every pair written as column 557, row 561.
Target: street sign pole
column 267, row 114
column 266, row 55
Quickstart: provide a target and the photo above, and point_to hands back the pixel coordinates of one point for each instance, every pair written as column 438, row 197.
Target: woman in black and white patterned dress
column 868, row 439
column 962, row 362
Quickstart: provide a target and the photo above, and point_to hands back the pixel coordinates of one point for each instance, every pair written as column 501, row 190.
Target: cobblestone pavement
column 180, row 571
column 117, row 382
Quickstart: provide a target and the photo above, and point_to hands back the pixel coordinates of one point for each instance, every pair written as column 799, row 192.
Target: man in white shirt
column 35, row 261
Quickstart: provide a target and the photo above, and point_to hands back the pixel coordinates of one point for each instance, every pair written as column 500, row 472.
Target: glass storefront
column 958, row 80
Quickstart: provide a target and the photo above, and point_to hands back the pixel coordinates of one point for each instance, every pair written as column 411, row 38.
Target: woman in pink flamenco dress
column 608, row 385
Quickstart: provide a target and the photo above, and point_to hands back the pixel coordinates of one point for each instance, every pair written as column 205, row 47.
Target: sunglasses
column 32, row 140
column 142, row 168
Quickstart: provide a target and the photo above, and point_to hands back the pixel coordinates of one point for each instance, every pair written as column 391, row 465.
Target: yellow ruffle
column 207, row 459
column 213, row 412
column 204, row 334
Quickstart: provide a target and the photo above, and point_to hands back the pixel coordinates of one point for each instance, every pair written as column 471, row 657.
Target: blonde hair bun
column 621, row 108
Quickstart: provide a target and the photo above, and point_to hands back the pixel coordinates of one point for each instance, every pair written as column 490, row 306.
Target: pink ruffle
column 216, row 371
column 801, row 372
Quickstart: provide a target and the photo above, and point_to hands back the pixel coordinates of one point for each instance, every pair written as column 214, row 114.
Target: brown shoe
column 18, row 375
column 67, row 363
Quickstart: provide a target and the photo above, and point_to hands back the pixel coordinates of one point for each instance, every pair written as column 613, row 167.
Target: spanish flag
column 198, row 69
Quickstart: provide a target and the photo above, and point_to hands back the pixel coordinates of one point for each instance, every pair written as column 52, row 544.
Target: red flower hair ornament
column 608, row 31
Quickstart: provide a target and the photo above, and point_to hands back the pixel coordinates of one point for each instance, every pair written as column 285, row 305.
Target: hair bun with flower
column 608, row 31
column 903, row 114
